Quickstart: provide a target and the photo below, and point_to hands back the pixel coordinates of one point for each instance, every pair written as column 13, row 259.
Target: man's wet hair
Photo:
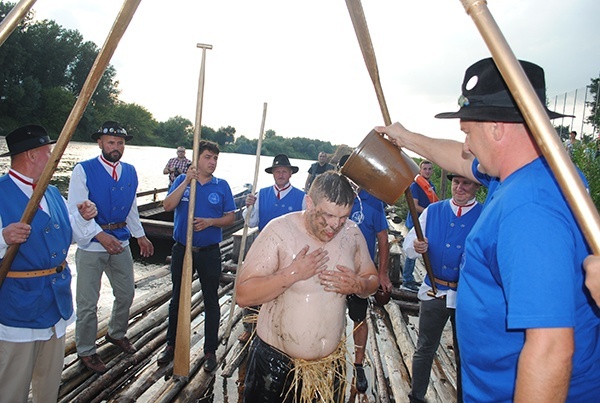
column 333, row 187
column 208, row 145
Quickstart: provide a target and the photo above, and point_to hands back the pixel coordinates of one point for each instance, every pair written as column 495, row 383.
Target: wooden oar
column 359, row 22
column 245, row 230
column 181, row 363
column 12, row 19
column 89, row 87
column 538, row 122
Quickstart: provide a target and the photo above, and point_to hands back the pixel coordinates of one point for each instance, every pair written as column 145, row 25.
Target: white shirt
column 409, row 248
column 79, row 192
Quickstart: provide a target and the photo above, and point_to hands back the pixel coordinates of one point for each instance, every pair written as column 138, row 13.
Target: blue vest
column 37, row 302
column 446, row 234
column 113, row 198
column 270, row 207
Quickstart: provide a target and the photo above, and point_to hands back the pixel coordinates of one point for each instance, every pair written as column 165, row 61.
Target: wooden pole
column 89, row 87
column 359, row 22
column 248, row 214
column 10, row 22
column 538, row 122
column 181, row 364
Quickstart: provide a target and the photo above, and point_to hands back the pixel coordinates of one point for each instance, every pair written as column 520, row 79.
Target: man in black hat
column 445, row 225
column 36, row 300
column 112, row 185
column 276, row 200
column 273, row 201
column 522, row 300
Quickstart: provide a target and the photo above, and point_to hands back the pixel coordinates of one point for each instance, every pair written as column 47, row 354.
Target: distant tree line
column 43, row 67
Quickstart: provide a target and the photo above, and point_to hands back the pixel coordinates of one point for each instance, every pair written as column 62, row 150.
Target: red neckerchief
column 23, row 180
column 427, row 188
column 279, row 191
column 459, row 212
column 113, row 166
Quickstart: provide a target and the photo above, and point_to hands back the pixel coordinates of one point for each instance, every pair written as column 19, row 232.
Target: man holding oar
column 300, row 268
column 527, row 327
column 36, row 300
column 214, row 209
column 272, row 202
column 112, row 185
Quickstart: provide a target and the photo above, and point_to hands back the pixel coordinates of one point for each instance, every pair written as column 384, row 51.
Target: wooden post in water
column 108, row 49
column 181, row 364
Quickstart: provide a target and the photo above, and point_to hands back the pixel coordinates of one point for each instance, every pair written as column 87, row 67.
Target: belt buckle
column 60, row 268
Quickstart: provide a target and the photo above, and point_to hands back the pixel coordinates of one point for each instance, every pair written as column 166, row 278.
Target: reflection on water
column 237, row 169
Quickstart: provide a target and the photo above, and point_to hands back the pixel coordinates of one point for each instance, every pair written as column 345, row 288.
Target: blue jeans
column 407, row 271
column 207, row 263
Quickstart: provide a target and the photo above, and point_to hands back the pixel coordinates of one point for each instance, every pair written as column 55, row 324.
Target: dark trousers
column 433, row 315
column 270, row 373
column 207, row 263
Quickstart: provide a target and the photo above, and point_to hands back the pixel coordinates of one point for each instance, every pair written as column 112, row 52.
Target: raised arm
column 448, row 154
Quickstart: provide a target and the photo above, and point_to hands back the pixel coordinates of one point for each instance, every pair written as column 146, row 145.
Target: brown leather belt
column 115, row 225
column 37, row 273
column 451, row 284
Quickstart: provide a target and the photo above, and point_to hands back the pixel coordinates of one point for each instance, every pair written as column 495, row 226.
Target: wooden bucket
column 381, row 168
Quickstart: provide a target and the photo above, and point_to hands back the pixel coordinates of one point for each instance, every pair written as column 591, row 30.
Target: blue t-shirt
column 213, row 200
column 523, row 269
column 369, row 214
column 419, row 194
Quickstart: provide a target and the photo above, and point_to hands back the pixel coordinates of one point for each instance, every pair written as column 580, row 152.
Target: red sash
column 426, row 186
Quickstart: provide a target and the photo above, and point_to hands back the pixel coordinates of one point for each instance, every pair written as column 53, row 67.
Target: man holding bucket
column 522, row 280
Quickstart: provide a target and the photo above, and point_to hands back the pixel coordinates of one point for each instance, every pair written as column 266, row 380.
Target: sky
column 302, row 59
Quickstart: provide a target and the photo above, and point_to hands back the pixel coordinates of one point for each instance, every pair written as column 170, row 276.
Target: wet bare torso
column 305, row 321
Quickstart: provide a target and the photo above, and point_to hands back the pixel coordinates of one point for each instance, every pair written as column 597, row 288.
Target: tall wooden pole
column 538, row 122
column 10, row 22
column 359, row 22
column 89, row 87
column 245, row 231
column 181, row 364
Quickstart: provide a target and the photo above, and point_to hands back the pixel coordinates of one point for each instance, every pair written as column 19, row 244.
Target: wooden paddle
column 181, row 363
column 359, row 22
column 538, row 122
column 12, row 19
column 245, row 230
column 89, row 87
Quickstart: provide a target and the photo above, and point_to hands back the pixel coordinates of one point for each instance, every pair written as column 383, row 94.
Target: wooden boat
column 158, row 223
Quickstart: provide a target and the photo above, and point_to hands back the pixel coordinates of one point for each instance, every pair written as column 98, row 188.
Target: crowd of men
column 514, row 274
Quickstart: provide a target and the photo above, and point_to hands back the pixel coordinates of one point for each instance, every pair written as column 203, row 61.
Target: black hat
column 111, row 128
column 451, row 176
column 26, row 138
column 281, row 160
column 486, row 97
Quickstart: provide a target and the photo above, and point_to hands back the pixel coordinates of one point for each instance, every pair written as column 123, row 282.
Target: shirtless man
column 300, row 268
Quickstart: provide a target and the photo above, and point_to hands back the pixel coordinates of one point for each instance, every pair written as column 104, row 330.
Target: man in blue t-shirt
column 214, row 209
column 527, row 326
